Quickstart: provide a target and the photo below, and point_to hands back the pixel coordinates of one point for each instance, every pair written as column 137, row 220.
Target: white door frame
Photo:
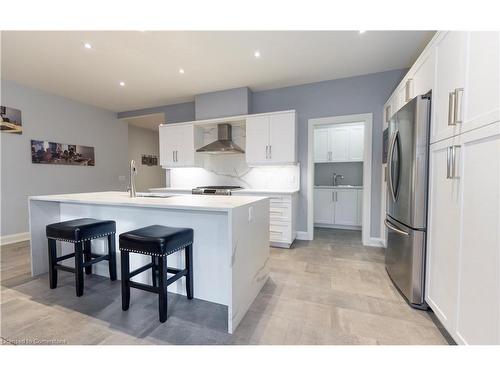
column 367, row 119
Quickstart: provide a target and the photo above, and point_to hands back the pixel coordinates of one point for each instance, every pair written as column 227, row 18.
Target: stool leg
column 189, row 267
column 79, row 268
column 153, row 270
column 87, row 256
column 112, row 256
column 162, row 288
column 124, row 257
column 52, row 264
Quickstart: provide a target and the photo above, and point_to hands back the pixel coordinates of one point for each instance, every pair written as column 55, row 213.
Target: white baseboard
column 374, row 241
column 302, row 235
column 13, row 238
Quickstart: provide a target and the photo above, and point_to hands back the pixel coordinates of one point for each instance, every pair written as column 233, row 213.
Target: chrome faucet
column 335, row 176
column 133, row 173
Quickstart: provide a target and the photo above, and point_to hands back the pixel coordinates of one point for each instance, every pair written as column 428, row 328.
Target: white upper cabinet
column 282, row 138
column 178, row 144
column 356, row 141
column 321, row 145
column 338, row 143
column 271, row 138
column 257, row 139
column 450, row 82
column 482, row 92
column 423, row 76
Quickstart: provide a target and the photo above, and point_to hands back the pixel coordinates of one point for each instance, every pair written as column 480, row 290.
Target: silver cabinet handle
column 176, row 156
column 173, row 156
column 336, row 196
column 451, row 108
column 270, row 151
column 457, row 106
column 333, row 196
column 454, row 161
column 392, row 227
column 267, row 152
column 448, row 162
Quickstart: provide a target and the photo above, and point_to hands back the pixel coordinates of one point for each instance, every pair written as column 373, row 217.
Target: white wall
column 143, row 141
column 55, row 118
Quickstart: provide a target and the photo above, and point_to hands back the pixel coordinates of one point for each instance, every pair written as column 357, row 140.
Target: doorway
column 340, row 154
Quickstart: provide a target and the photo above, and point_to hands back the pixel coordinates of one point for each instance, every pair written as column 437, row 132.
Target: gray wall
column 354, row 95
column 223, row 103
column 55, row 118
column 173, row 113
column 352, row 172
column 143, row 141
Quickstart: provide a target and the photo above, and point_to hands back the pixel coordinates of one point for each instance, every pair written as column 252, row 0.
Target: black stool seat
column 156, row 240
column 80, row 232
column 80, row 229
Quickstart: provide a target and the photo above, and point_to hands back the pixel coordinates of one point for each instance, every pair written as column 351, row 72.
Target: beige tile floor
column 328, row 291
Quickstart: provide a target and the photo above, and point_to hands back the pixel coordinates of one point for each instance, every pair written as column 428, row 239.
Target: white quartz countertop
column 235, row 192
column 178, row 202
column 338, row 187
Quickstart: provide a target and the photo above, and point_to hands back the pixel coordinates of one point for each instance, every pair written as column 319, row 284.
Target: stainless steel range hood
column 224, row 143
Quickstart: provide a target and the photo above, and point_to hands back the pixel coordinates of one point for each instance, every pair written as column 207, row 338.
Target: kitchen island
column 230, row 249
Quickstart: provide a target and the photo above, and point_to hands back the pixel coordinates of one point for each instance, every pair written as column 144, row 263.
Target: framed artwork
column 45, row 152
column 10, row 120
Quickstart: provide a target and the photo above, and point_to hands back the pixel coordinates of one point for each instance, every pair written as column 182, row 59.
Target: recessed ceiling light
column 87, row 45
column 122, row 83
column 256, row 54
column 362, row 31
column 181, row 71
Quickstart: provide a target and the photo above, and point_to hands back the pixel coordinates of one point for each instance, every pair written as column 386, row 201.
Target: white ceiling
column 149, row 62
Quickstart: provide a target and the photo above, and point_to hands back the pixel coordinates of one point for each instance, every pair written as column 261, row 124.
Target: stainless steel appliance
column 215, row 190
column 406, row 215
column 224, row 143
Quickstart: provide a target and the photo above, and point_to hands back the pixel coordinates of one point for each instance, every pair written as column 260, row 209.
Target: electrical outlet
column 122, row 178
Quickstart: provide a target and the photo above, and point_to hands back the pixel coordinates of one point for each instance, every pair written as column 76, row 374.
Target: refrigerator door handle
column 392, row 227
column 391, row 151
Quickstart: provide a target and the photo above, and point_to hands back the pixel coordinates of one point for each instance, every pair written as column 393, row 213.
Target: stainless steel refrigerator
column 406, row 214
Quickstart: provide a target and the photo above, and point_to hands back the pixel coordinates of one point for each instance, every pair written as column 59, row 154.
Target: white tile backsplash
column 233, row 170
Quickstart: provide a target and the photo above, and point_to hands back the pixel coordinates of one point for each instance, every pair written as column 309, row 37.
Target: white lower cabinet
column 463, row 250
column 282, row 217
column 337, row 207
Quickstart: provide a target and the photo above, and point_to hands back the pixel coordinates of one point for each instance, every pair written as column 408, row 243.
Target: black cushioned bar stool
column 156, row 241
column 80, row 232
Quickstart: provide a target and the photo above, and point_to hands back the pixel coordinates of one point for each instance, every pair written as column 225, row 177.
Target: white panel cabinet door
column 172, row 139
column 482, row 89
column 443, row 241
column 323, row 206
column 479, row 284
column 346, row 212
column 356, row 143
column 339, row 141
column 423, row 78
column 257, row 140
column 282, row 143
column 321, row 145
column 450, row 79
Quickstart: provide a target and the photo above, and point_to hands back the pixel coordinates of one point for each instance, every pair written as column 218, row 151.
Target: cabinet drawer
column 279, row 199
column 280, row 211
column 280, row 232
